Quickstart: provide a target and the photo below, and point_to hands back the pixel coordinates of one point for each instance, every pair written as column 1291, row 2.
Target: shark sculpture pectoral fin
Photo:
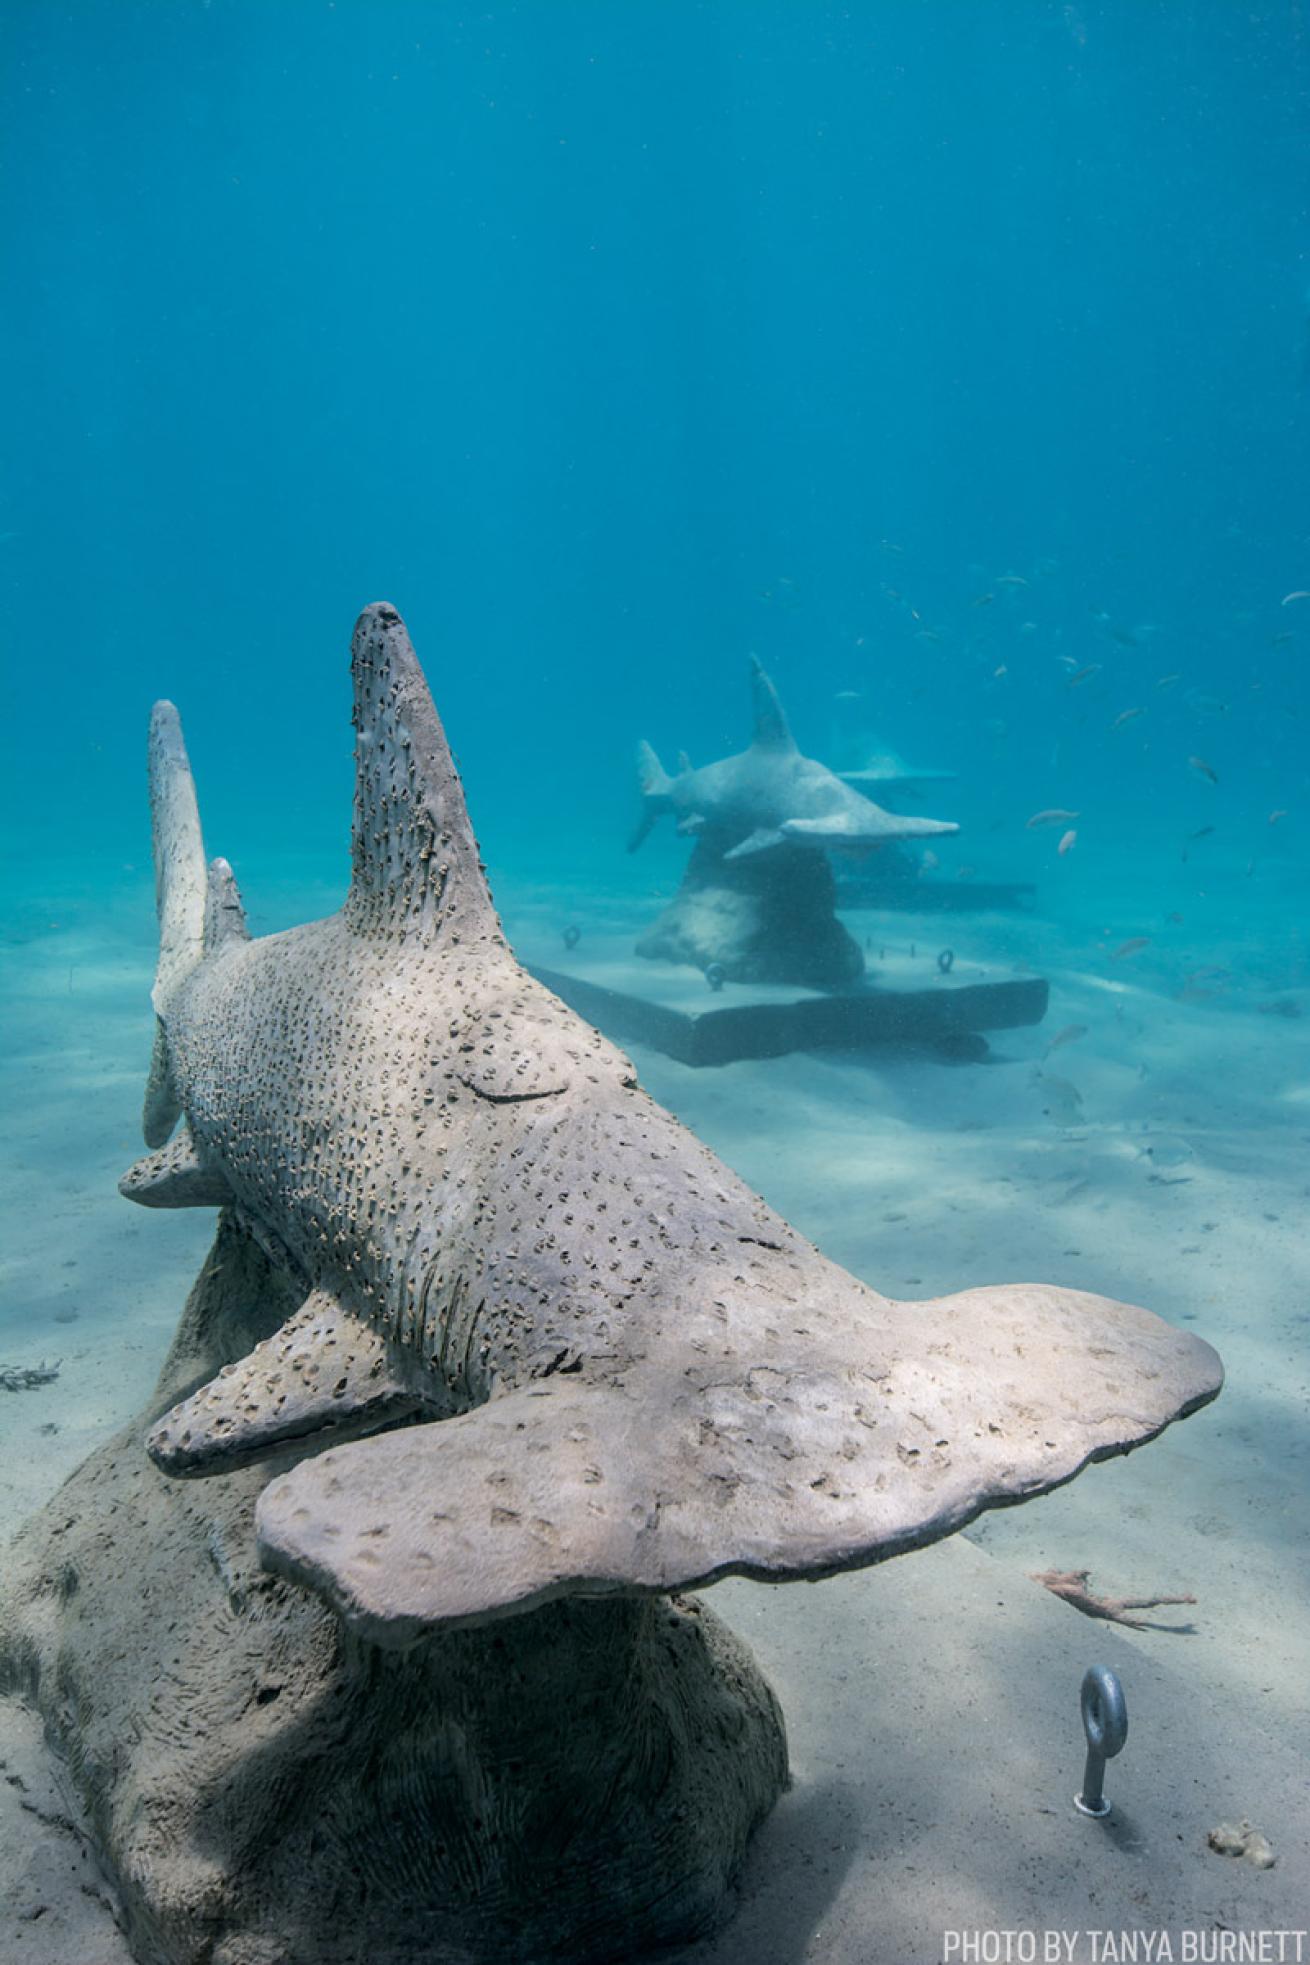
column 852, row 1446
column 176, row 1177
column 863, row 829
column 762, row 840
column 324, row 1371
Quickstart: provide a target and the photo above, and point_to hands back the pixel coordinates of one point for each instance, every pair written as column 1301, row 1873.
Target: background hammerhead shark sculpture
column 591, row 1359
column 769, row 794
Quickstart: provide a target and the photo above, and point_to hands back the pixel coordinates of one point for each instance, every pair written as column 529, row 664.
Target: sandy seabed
column 1162, row 1155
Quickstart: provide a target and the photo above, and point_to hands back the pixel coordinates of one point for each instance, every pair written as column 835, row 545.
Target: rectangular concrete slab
column 906, row 1002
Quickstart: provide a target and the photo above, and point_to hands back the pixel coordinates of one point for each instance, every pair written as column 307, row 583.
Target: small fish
column 1064, row 1101
column 1274, row 817
column 1067, row 844
column 1130, row 947
column 1206, row 770
column 1084, row 675
column 1125, row 635
column 1203, row 832
column 1174, row 916
column 1070, row 661
column 1012, row 580
column 1054, row 815
column 888, row 546
column 1281, row 641
column 848, row 696
column 929, row 861
column 1168, row 681
column 1211, row 973
column 1003, row 670
column 1069, row 1035
column 982, row 600
column 1300, row 593
column 1126, row 716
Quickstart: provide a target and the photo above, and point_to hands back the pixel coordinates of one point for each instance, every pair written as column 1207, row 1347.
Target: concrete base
column 910, row 1002
column 575, row 1784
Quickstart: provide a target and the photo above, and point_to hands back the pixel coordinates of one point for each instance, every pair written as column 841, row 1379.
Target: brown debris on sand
column 1072, row 1585
column 1240, row 1839
column 26, row 1378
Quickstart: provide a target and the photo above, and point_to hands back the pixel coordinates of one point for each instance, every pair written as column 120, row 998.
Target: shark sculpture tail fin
column 655, row 785
column 180, row 899
column 198, row 906
column 180, row 874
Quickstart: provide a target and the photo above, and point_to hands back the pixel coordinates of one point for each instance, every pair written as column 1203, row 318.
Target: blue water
column 613, row 343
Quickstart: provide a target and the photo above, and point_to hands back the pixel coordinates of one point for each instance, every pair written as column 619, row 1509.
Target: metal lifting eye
column 1105, row 1722
column 946, row 961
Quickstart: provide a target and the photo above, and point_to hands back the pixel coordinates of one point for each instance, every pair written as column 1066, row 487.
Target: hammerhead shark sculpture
column 769, row 794
column 590, row 1358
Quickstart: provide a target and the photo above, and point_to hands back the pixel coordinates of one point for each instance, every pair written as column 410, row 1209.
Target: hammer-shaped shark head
column 589, row 1358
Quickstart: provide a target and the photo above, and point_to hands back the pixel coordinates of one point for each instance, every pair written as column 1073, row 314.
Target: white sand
column 932, row 1705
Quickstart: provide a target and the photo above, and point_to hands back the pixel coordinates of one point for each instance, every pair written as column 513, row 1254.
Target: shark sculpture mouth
column 590, row 1358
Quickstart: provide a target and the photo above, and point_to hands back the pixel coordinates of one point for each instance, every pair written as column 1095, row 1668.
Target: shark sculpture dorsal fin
column 772, row 731
column 416, row 867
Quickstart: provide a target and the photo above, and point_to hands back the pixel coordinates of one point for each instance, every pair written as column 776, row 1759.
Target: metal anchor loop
column 1105, row 1723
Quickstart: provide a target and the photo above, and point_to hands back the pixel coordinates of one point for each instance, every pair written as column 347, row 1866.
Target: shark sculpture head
column 546, row 1343
column 769, row 794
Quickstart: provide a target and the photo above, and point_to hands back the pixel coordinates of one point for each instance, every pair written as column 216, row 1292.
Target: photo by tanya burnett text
column 1182, row 1946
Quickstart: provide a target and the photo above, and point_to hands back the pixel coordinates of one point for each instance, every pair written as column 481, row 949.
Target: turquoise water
column 952, row 357
column 613, row 343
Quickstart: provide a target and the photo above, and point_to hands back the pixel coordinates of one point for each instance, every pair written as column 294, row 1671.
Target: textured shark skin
column 605, row 1364
column 769, row 794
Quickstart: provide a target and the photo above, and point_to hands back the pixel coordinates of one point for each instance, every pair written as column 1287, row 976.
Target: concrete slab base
column 925, row 1001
